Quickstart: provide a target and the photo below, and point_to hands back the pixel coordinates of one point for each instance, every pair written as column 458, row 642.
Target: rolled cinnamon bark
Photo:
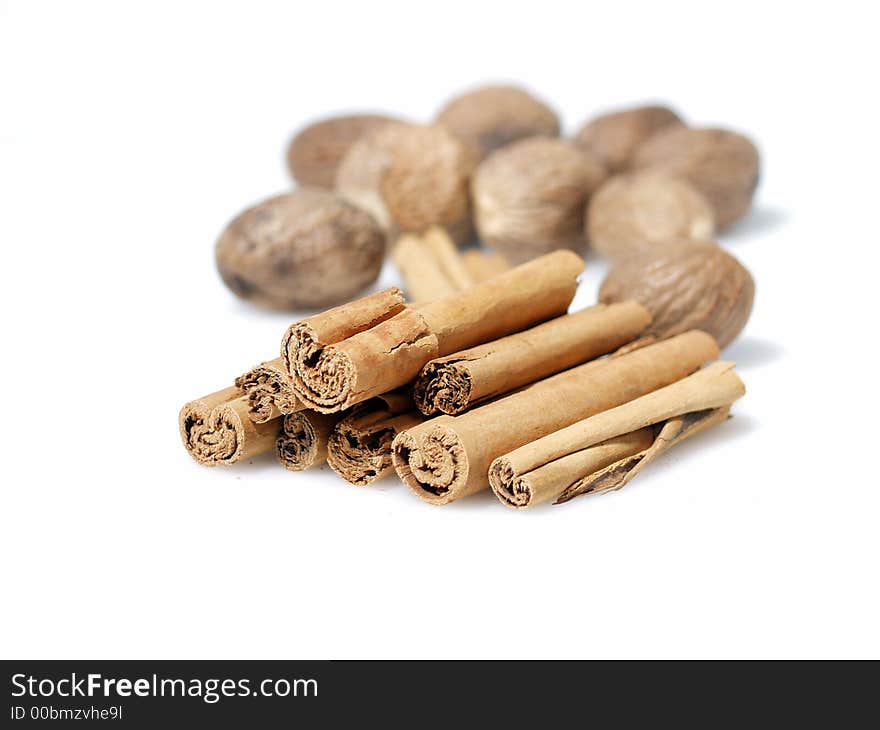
column 217, row 430
column 423, row 278
column 666, row 435
column 482, row 265
column 303, row 439
column 545, row 468
column 331, row 372
column 457, row 382
column 448, row 457
column 359, row 449
column 442, row 249
column 269, row 391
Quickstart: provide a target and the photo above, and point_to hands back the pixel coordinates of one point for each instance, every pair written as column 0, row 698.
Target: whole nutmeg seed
column 494, row 116
column 646, row 210
column 722, row 165
column 612, row 138
column 530, row 197
column 410, row 177
column 303, row 249
column 315, row 152
column 686, row 285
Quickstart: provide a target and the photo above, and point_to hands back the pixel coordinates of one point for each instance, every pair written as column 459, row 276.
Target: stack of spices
column 475, row 376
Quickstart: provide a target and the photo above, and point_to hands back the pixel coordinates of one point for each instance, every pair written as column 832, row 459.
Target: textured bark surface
column 216, row 429
column 448, row 457
column 269, row 391
column 359, row 449
column 337, row 369
column 303, row 440
column 686, row 285
column 457, row 382
column 543, row 469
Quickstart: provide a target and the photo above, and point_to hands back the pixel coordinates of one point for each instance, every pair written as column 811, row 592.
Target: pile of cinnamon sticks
column 484, row 381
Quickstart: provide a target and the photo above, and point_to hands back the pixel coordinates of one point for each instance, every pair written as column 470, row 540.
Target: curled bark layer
column 359, row 449
column 454, row 383
column 216, row 429
column 333, row 368
column 543, row 469
column 269, row 391
column 303, row 439
column 448, row 457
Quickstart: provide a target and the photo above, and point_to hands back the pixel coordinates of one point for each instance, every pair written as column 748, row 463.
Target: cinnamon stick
column 443, row 250
column 423, row 278
column 448, row 457
column 269, row 391
column 543, row 469
column 333, row 370
column 302, row 442
column 482, row 265
column 217, row 430
column 359, row 449
column 666, row 435
column 454, row 383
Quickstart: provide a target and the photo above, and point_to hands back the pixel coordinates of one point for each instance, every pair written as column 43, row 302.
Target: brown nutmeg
column 410, row 177
column 315, row 152
column 722, row 165
column 612, row 138
column 303, row 249
column 646, row 210
column 686, row 285
column 530, row 197
column 493, row 116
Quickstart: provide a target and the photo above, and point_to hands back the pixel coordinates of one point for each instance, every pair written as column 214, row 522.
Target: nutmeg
column 685, row 285
column 410, row 177
column 722, row 165
column 315, row 152
column 612, row 138
column 530, row 197
column 493, row 116
column 644, row 210
column 299, row 250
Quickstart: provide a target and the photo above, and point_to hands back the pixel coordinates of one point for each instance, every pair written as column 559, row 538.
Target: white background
column 131, row 132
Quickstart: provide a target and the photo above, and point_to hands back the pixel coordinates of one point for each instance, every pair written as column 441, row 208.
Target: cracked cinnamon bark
column 448, row 457
column 457, row 382
column 333, row 368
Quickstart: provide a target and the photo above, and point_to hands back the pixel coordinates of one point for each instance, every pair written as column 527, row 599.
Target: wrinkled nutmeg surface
column 612, row 138
column 530, row 197
column 686, row 285
column 300, row 250
column 644, row 210
column 315, row 152
column 722, row 165
column 493, row 116
column 410, row 177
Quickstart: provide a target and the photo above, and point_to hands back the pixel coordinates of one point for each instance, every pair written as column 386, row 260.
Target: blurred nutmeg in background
column 494, row 116
column 721, row 164
column 304, row 249
column 613, row 137
column 685, row 285
column 530, row 197
column 411, row 177
column 643, row 210
column 315, row 152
